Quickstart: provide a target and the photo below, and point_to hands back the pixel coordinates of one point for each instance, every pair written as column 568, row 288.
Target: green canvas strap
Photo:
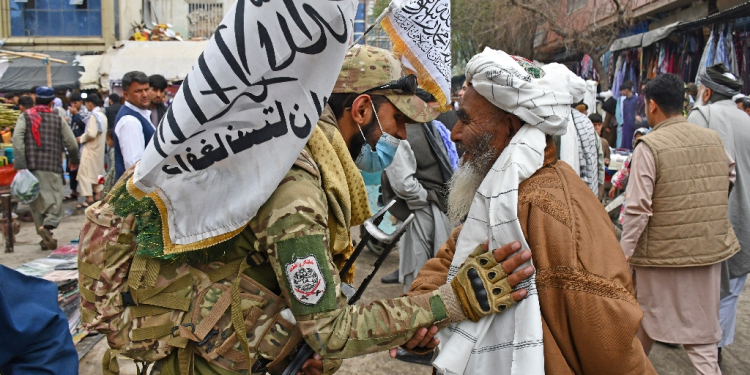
column 225, row 271
column 145, row 310
column 147, row 294
column 143, row 272
column 217, row 311
column 174, row 301
column 87, row 294
column 238, row 320
column 154, row 332
column 89, row 270
column 109, row 362
column 87, row 316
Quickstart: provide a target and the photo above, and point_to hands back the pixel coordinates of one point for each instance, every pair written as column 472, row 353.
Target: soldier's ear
column 362, row 109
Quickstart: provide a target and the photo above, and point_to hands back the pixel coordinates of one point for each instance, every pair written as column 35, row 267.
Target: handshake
column 483, row 286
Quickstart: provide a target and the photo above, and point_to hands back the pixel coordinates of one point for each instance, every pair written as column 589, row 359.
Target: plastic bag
column 25, row 187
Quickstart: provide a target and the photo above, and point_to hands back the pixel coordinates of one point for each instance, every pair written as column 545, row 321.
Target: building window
column 574, row 5
column 56, row 18
column 204, row 19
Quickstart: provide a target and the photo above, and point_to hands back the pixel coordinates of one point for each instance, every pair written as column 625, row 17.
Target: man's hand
column 73, row 167
column 482, row 284
column 313, row 366
column 73, row 110
column 612, row 192
column 638, row 118
column 423, row 340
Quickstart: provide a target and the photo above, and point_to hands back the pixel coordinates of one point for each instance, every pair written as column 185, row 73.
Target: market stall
column 26, row 70
column 173, row 60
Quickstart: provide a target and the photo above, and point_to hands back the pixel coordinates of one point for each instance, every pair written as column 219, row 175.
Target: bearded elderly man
column 715, row 110
column 309, row 215
column 580, row 316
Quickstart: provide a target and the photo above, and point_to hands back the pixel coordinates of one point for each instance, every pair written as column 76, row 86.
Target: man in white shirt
column 133, row 127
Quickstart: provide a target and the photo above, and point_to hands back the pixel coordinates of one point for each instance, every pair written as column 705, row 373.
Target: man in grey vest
column 416, row 179
column 715, row 110
column 39, row 140
column 676, row 231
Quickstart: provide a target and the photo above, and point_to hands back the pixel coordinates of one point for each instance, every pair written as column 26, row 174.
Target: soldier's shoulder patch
column 308, row 274
column 306, row 280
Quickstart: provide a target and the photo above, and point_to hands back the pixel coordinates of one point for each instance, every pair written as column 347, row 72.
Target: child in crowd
column 596, row 119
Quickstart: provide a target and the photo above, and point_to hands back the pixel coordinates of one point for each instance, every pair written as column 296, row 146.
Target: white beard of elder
column 466, row 179
column 485, row 191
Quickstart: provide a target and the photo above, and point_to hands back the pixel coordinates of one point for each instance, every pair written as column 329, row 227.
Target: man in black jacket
column 114, row 107
column 158, row 92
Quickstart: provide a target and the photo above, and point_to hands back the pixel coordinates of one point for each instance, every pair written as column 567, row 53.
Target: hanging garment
column 706, row 58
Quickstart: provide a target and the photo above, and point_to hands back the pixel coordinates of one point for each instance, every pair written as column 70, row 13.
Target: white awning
column 627, row 42
column 173, row 60
column 90, row 79
column 656, row 35
column 644, row 39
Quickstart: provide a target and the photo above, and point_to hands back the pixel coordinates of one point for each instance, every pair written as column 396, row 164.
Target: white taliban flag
column 242, row 116
column 421, row 34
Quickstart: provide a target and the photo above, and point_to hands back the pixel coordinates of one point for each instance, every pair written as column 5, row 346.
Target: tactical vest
column 689, row 225
column 226, row 310
column 148, row 132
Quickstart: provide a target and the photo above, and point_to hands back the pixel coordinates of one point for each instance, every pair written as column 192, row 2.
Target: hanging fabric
column 706, row 58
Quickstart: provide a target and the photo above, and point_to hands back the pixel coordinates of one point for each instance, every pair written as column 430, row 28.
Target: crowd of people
column 512, row 264
column 84, row 129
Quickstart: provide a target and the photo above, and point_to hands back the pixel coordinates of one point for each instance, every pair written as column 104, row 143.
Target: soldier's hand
column 423, row 341
column 482, row 284
column 313, row 366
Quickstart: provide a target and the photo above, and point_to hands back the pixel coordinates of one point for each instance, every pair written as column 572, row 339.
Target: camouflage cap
column 366, row 67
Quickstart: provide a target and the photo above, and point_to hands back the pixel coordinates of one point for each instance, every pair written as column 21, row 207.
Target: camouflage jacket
column 292, row 228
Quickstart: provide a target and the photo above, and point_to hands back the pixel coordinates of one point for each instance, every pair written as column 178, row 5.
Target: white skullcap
column 543, row 103
column 577, row 86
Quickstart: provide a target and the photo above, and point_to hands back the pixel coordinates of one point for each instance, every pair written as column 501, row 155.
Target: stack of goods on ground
column 61, row 267
column 8, row 117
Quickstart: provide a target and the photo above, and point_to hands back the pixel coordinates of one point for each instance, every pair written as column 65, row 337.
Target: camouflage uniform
column 292, row 225
column 292, row 228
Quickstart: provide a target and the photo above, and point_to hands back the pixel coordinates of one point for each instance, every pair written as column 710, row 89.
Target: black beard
column 356, row 143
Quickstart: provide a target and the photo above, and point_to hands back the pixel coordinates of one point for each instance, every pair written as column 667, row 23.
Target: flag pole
column 387, row 10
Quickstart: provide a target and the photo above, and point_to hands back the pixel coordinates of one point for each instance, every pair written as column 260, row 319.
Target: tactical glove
column 481, row 286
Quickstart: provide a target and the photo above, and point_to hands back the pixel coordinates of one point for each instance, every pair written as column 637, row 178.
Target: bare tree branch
column 574, row 29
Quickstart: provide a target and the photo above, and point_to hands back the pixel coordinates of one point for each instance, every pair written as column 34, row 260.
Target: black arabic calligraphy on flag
column 242, row 115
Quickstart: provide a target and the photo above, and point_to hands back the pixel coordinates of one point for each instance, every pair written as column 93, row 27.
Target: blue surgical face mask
column 375, row 161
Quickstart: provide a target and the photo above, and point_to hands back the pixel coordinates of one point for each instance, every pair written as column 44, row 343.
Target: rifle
column 304, row 351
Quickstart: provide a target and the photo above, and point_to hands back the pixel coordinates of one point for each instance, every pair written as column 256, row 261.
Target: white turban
column 541, row 102
column 577, row 86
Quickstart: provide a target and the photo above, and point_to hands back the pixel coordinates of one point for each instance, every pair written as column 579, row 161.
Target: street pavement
column 666, row 360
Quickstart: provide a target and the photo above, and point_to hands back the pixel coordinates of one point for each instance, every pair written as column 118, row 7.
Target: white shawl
column 511, row 342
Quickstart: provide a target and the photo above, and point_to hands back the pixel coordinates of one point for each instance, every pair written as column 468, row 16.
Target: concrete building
column 95, row 25
column 648, row 15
